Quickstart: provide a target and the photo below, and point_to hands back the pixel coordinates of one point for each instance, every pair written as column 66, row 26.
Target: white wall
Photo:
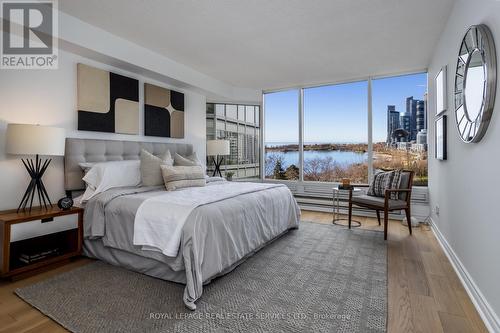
column 466, row 186
column 48, row 97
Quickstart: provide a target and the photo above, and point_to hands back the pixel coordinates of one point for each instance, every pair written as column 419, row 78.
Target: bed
column 217, row 235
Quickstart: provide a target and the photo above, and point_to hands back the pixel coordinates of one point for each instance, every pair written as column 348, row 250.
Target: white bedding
column 159, row 220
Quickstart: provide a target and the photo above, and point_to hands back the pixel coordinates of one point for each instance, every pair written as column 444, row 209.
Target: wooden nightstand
column 28, row 256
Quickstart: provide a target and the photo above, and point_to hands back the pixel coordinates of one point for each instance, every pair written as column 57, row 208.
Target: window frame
column 300, row 113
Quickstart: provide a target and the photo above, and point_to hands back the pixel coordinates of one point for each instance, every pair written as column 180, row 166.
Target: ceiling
column 268, row 44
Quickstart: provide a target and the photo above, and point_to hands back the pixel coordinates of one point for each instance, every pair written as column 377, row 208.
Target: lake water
column 344, row 158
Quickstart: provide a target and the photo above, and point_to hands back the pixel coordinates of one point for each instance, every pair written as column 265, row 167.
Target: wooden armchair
column 385, row 203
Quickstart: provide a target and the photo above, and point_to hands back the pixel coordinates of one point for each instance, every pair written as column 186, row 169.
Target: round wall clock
column 475, row 83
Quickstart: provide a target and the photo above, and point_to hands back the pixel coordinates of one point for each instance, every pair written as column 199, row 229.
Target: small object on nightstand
column 65, row 203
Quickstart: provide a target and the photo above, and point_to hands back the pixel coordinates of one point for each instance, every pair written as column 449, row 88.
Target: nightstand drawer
column 42, row 227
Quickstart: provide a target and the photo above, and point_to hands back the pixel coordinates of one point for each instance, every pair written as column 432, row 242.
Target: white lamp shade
column 218, row 147
column 25, row 139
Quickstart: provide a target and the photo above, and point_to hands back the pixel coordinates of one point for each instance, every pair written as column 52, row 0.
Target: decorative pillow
column 106, row 175
column 191, row 160
column 150, row 167
column 381, row 181
column 396, row 184
column 176, row 177
column 386, row 180
column 86, row 166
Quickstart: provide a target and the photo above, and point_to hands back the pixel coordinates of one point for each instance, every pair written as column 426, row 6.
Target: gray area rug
column 319, row 278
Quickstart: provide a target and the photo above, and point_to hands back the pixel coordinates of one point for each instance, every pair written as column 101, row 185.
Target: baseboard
column 484, row 309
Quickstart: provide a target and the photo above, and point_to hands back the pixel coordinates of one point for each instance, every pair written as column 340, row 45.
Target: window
column 335, row 133
column 236, row 123
column 400, row 124
column 282, row 135
column 335, row 142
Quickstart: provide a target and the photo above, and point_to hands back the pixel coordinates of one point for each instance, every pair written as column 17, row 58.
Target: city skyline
column 412, row 121
column 324, row 110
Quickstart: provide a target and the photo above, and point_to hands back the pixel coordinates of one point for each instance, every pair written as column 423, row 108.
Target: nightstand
column 22, row 254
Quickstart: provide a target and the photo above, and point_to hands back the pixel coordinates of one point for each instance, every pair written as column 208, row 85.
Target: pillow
column 396, row 183
column 150, row 167
column 177, row 177
column 191, row 160
column 86, row 166
column 381, row 181
column 106, row 175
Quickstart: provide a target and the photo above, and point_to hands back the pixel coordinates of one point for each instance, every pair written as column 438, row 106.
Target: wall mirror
column 475, row 83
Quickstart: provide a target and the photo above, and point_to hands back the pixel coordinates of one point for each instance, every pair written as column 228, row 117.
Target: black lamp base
column 36, row 169
column 217, row 164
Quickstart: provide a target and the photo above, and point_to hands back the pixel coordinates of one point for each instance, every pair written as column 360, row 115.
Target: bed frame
column 92, row 150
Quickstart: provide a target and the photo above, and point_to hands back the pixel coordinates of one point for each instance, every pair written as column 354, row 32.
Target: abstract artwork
column 107, row 102
column 163, row 112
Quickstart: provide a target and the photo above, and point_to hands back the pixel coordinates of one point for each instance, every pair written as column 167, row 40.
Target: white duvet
column 159, row 220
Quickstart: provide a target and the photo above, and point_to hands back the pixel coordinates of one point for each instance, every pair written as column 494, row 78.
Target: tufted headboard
column 91, row 150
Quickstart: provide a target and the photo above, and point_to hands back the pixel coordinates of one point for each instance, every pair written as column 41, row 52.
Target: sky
column 338, row 113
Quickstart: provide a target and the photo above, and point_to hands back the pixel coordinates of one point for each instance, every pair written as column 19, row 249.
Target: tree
column 278, row 172
column 292, row 172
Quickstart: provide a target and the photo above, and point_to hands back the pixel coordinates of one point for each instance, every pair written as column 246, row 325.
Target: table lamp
column 25, row 139
column 216, row 149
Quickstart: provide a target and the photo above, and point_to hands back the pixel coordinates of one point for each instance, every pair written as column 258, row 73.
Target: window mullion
column 370, row 131
column 301, row 135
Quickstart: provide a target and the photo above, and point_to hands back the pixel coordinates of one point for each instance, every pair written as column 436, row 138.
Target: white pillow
column 106, row 175
column 191, row 160
column 86, row 166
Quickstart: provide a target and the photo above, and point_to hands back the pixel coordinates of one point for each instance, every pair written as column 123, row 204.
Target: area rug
column 319, row 278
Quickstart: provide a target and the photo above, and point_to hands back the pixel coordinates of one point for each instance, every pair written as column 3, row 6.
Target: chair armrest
column 393, row 190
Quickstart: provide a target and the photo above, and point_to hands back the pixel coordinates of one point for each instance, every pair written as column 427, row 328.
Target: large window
column 335, row 133
column 240, row 125
column 400, row 124
column 342, row 131
column 282, row 135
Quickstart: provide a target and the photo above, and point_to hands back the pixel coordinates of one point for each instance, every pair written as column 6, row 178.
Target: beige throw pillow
column 191, row 160
column 176, row 177
column 150, row 167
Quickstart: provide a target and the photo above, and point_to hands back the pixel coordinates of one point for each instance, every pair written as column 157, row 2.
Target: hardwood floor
column 425, row 294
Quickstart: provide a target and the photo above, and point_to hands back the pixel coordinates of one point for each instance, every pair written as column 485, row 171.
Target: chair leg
column 378, row 216
column 350, row 213
column 386, row 222
column 408, row 218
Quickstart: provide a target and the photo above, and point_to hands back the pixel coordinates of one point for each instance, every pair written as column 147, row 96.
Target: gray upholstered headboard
column 90, row 150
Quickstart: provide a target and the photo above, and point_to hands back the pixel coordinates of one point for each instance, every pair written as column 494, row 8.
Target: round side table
column 336, row 207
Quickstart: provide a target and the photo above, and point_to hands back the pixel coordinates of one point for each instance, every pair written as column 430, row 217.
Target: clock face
column 65, row 203
column 475, row 83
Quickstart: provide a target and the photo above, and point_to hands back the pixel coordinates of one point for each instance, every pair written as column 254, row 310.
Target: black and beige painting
column 163, row 112
column 107, row 102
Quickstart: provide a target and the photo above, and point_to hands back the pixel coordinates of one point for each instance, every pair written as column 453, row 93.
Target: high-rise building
column 405, row 123
column 392, row 121
column 241, row 126
column 421, row 124
column 422, row 137
column 411, row 109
